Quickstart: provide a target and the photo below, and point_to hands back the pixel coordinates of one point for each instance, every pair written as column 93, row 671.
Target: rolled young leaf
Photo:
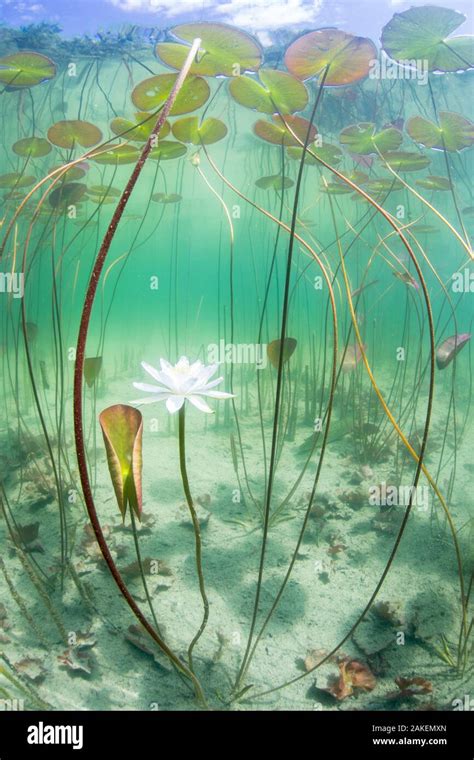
column 122, row 428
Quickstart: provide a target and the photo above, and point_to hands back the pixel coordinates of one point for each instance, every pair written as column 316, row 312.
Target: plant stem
column 197, row 533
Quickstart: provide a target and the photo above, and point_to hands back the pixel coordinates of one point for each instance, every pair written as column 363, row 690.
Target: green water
column 228, row 272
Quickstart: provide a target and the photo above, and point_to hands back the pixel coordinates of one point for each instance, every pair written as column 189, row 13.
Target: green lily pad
column 406, row 161
column 224, row 51
column 424, row 229
column 153, row 93
column 67, row 194
column 190, row 130
column 16, row 180
column 454, row 132
column 26, row 69
column 275, row 132
column 167, row 150
column 140, row 129
column 277, row 92
column 423, row 34
column 275, row 182
column 363, row 139
column 103, row 200
column 434, row 183
column 101, row 190
column 166, row 198
column 347, row 58
column 70, row 134
column 117, row 155
column 32, row 147
column 78, row 171
column 122, row 428
column 339, row 187
column 329, row 153
column 382, row 186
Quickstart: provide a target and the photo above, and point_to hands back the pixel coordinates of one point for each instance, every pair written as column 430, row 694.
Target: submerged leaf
column 275, row 181
column 66, row 194
column 166, row 198
column 14, row 179
column 404, row 161
column 92, row 367
column 122, row 428
column 191, row 130
column 449, row 348
column 434, row 183
column 153, row 93
column 277, row 92
column 274, row 348
column 352, row 357
column 346, row 58
column 329, row 153
column 224, row 50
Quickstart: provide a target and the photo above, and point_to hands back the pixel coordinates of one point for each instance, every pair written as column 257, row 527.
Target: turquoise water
column 304, row 540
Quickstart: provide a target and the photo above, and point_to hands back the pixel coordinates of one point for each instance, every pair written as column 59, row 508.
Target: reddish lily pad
column 275, row 132
column 140, row 129
column 224, row 51
column 122, row 428
column 364, row 139
column 274, row 350
column 71, row 133
column 434, row 183
column 153, row 93
column 25, row 69
column 190, row 130
column 117, row 155
column 406, row 161
column 346, row 58
column 16, row 180
column 274, row 182
column 32, row 147
column 167, row 150
column 423, row 34
column 277, row 92
column 454, row 132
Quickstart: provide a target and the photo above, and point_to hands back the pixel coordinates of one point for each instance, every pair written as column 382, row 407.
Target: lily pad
column 454, row 132
column 92, row 367
column 32, row 147
column 122, row 428
column 26, row 69
column 364, row 139
column 275, row 182
column 118, row 155
column 153, row 93
column 102, row 190
column 274, row 349
column 15, row 179
column 191, row 130
column 275, row 132
column 140, row 129
column 166, row 197
column 70, row 134
column 347, row 58
column 434, row 183
column 224, row 51
column 277, row 92
column 78, row 171
column 69, row 193
column 329, row 153
column 406, row 161
column 379, row 186
column 167, row 150
column 423, row 34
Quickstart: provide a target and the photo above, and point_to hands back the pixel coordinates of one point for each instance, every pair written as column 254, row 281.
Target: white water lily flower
column 180, row 382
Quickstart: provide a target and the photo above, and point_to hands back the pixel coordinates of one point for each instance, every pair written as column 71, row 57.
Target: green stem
column 197, row 533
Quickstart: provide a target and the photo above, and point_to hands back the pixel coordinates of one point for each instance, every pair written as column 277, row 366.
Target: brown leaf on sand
column 32, row 668
column 411, row 687
column 150, row 567
column 77, row 661
column 313, row 658
column 353, row 676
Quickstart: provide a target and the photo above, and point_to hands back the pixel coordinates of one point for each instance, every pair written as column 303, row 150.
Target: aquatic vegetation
column 299, row 221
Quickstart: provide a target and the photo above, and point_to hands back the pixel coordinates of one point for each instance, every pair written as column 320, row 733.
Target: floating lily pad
column 434, row 183
column 224, row 51
column 118, row 155
column 92, row 367
column 101, row 190
column 67, row 194
column 405, row 161
column 70, row 134
column 423, row 229
column 122, row 428
column 16, row 180
column 346, row 57
column 78, row 171
column 277, row 92
column 26, row 69
column 153, row 92
column 383, row 185
column 190, row 130
column 140, row 129
column 454, row 132
column 339, row 187
column 364, row 139
column 167, row 150
column 166, row 197
column 275, row 182
column 329, row 153
column 32, row 147
column 274, row 349
column 423, row 34
column 276, row 132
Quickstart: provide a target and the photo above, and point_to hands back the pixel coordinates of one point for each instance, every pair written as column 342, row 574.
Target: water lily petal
column 200, row 404
column 207, row 372
column 165, row 364
column 148, row 400
column 174, row 404
column 212, row 384
column 219, row 394
column 151, row 371
column 148, row 388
